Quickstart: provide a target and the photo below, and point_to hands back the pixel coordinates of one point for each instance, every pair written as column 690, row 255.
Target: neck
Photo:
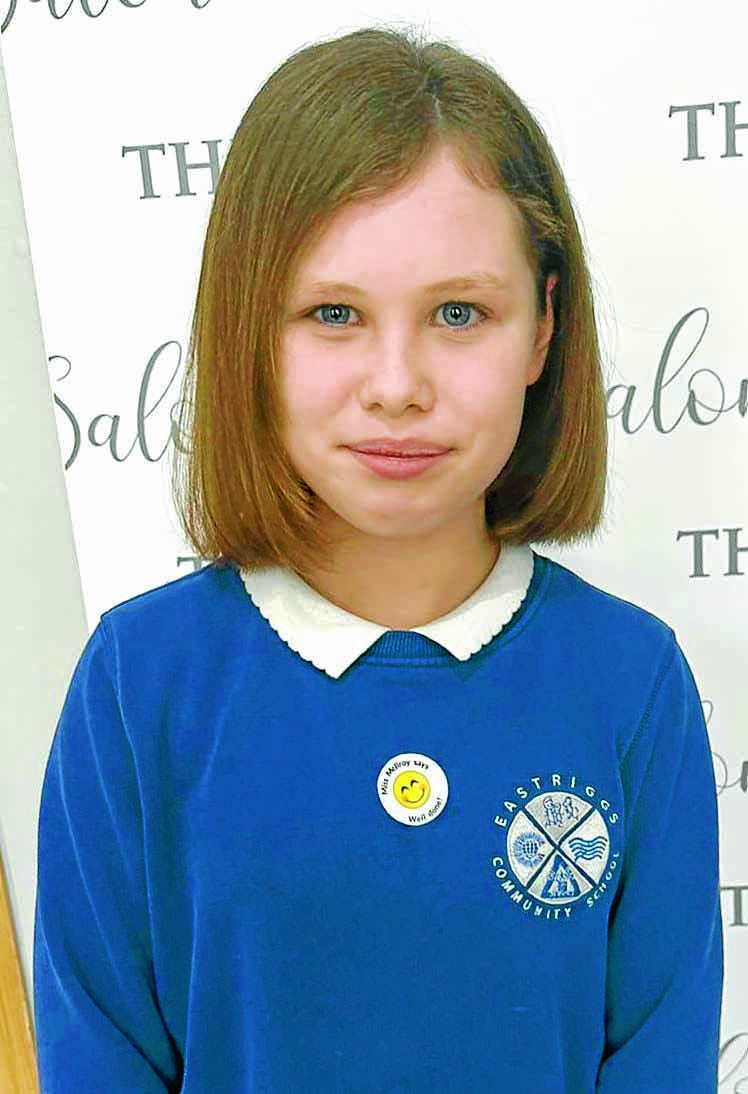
column 401, row 589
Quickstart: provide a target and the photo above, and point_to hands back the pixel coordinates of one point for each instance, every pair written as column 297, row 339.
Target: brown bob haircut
column 347, row 120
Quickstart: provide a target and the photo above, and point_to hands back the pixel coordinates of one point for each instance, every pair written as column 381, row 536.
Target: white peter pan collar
column 332, row 638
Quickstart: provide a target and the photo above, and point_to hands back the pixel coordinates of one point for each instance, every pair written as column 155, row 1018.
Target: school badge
column 558, row 848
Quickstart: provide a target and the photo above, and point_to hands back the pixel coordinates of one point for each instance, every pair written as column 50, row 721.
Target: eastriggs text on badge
column 557, row 782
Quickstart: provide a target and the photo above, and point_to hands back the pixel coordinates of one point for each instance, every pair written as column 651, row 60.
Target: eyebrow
column 479, row 280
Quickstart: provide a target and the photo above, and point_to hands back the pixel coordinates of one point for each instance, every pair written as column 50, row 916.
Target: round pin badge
column 412, row 788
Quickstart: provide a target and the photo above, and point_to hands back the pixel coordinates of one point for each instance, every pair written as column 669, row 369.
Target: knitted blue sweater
column 424, row 874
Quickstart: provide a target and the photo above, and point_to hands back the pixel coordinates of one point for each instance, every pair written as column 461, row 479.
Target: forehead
column 468, row 237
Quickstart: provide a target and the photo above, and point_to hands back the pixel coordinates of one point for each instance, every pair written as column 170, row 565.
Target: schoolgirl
column 382, row 799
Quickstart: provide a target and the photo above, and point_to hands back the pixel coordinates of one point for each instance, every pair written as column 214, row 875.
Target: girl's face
column 396, row 359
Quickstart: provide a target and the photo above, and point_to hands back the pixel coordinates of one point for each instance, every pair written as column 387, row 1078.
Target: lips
column 395, row 455
column 404, row 451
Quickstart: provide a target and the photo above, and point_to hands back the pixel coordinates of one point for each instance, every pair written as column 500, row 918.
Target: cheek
column 311, row 386
column 494, row 404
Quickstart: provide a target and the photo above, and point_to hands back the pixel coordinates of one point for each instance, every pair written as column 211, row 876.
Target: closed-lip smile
column 407, row 446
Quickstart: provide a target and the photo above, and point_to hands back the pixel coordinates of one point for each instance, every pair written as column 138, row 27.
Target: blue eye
column 450, row 304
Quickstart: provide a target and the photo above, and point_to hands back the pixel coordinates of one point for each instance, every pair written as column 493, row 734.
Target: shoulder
column 197, row 602
column 614, row 629
column 593, row 605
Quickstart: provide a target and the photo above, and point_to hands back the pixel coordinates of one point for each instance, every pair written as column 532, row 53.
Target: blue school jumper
column 285, row 850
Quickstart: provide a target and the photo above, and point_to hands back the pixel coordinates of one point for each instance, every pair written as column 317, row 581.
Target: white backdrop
column 42, row 615
column 123, row 116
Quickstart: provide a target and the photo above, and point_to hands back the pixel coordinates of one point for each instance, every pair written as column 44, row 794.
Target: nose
column 398, row 377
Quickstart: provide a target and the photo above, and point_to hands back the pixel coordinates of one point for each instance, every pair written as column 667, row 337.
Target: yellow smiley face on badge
column 411, row 789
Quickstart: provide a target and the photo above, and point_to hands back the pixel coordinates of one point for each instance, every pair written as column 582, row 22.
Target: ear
column 544, row 335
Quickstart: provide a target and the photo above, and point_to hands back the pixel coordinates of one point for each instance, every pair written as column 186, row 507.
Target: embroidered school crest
column 558, row 848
